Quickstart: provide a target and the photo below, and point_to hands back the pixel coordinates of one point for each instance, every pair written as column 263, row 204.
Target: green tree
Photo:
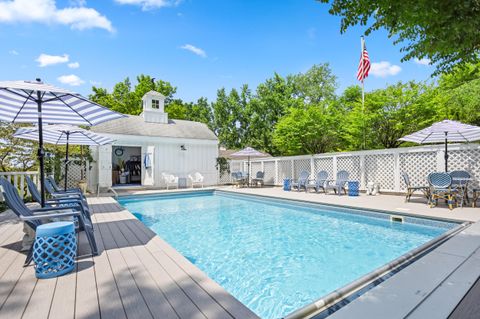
column 446, row 32
column 389, row 114
column 316, row 85
column 226, row 119
column 15, row 153
column 201, row 111
column 308, row 130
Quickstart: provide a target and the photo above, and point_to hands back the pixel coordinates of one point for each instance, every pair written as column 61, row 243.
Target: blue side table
column 287, row 186
column 353, row 188
column 55, row 249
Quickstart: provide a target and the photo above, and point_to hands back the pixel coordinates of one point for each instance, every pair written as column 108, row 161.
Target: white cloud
column 46, row 11
column 195, row 50
column 95, row 83
column 71, row 79
column 150, row 4
column 74, row 65
column 46, row 59
column 384, row 68
column 13, row 52
column 423, row 61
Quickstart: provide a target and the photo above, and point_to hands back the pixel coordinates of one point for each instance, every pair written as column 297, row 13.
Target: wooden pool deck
column 135, row 275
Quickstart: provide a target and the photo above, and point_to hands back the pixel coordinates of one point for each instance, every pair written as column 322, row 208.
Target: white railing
column 381, row 166
column 18, row 180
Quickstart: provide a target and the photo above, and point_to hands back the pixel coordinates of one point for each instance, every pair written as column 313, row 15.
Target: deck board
column 135, row 275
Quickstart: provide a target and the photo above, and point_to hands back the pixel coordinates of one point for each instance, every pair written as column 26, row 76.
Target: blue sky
column 197, row 45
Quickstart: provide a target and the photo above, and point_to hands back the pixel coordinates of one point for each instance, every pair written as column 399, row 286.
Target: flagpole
column 362, row 44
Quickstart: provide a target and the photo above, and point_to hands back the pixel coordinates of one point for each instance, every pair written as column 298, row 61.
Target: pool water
column 275, row 256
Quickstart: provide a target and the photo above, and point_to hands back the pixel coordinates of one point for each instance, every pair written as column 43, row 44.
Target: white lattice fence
column 324, row 164
column 269, row 169
column 418, row 165
column 351, row 164
column 468, row 160
column 74, row 175
column 254, row 168
column 284, row 170
column 380, row 168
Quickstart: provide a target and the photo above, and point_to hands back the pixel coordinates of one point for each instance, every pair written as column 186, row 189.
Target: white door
column 148, row 172
column 105, row 166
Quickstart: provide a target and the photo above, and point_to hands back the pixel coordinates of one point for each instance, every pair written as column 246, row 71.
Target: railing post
column 334, row 166
column 312, row 167
column 440, row 160
column 293, row 168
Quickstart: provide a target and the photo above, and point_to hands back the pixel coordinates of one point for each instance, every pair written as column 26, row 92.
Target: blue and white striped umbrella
column 248, row 152
column 36, row 102
column 63, row 134
column 19, row 101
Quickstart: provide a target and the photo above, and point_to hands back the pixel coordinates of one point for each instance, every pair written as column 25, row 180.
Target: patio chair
column 460, row 181
column 39, row 216
column 319, row 182
column 441, row 188
column 301, row 182
column 196, row 179
column 54, row 194
column 339, row 184
column 412, row 189
column 258, row 180
column 59, row 202
column 62, row 190
column 170, row 180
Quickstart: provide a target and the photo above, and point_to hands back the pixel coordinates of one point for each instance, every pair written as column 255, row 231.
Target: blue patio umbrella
column 62, row 134
column 39, row 103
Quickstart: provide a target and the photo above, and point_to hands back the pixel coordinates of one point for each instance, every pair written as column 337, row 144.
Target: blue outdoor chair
column 412, row 189
column 319, row 182
column 301, row 182
column 39, row 216
column 258, row 180
column 62, row 190
column 60, row 194
column 460, row 181
column 339, row 184
column 59, row 202
column 441, row 188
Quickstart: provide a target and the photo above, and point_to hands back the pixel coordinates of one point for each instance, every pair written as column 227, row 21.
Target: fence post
column 312, row 167
column 334, row 166
column 396, row 168
column 440, row 160
column 276, row 179
column 293, row 168
column 362, row 171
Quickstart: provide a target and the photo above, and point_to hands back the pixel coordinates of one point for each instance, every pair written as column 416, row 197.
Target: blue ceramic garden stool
column 353, row 188
column 287, row 186
column 55, row 249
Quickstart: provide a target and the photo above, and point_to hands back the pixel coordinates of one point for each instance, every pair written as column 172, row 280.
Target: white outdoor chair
column 196, row 179
column 170, row 180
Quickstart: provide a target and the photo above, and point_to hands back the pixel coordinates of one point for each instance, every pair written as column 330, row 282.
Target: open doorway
column 126, row 165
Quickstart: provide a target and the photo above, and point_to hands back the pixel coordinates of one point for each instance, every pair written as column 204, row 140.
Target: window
column 155, row 104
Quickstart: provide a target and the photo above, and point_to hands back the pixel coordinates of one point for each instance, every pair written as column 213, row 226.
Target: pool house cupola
column 154, row 108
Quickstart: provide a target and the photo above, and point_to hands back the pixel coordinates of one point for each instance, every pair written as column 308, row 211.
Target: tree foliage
column 446, row 32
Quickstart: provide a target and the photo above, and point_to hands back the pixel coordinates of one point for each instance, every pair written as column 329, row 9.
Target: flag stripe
column 364, row 65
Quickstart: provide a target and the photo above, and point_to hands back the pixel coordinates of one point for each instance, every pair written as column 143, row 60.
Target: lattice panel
column 284, row 170
column 301, row 165
column 254, row 168
column 466, row 160
column 74, row 175
column 324, row 164
column 417, row 165
column 269, row 168
column 351, row 164
column 380, row 168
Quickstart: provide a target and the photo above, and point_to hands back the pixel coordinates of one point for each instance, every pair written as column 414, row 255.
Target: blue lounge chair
column 39, row 216
column 301, row 182
column 59, row 202
column 412, row 189
column 258, row 179
column 441, row 188
column 339, row 184
column 319, row 182
column 55, row 194
column 62, row 190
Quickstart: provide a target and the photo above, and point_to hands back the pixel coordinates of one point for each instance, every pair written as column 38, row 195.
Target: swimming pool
column 276, row 256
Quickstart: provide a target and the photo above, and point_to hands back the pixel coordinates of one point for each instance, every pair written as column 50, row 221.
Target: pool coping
column 371, row 279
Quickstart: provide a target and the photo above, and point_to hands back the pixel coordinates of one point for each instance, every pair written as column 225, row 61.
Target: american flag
column 364, row 65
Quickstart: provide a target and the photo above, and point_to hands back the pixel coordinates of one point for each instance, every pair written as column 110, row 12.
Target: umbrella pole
column 66, row 161
column 41, row 153
column 446, row 153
